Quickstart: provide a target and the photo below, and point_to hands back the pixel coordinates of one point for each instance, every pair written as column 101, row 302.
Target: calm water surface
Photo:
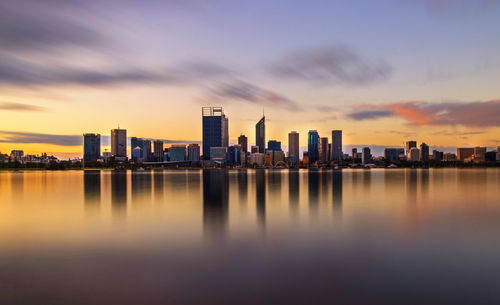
column 250, row 237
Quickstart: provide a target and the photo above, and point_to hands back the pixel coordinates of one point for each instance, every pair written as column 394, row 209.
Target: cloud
column 244, row 91
column 334, row 65
column 472, row 114
column 370, row 114
column 40, row 138
column 19, row 107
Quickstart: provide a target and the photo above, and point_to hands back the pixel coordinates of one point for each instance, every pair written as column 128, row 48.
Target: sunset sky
column 382, row 71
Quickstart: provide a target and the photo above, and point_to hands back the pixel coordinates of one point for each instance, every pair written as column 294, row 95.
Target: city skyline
column 335, row 70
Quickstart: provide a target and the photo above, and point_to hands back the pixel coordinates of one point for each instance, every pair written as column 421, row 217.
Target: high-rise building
column 410, row 145
column 336, row 153
column 158, row 150
column 366, row 155
column 91, row 146
column 323, row 150
column 354, row 154
column 313, row 146
column 414, row 154
column 148, row 155
column 424, row 152
column 177, row 152
column 464, row 153
column 137, row 149
column 234, row 155
column 260, row 134
column 274, row 145
column 215, row 129
column 119, row 143
column 243, row 141
column 293, row 146
column 437, row 155
column 193, row 152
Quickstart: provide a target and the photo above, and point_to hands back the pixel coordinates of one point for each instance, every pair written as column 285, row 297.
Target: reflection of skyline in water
column 141, row 187
column 215, row 202
column 92, row 188
column 313, row 188
column 260, row 195
column 119, row 191
column 337, row 193
column 294, row 191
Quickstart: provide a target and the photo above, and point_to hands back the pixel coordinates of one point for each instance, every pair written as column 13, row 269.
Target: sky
column 384, row 72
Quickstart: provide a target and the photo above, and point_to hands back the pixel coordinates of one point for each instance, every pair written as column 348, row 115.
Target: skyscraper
column 410, row 145
column 424, row 152
column 336, row 145
column 119, row 143
column 274, row 145
column 91, row 146
column 147, row 154
column 323, row 149
column 215, row 129
column 366, row 155
column 193, row 152
column 260, row 134
column 243, row 141
column 293, row 146
column 354, row 154
column 313, row 146
column 158, row 150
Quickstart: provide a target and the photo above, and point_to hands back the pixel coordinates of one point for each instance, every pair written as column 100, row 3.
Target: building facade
column 177, row 152
column 293, row 147
column 91, row 146
column 313, row 146
column 193, row 152
column 336, row 152
column 158, row 150
column 260, row 134
column 274, row 145
column 243, row 141
column 215, row 129
column 323, row 150
column 119, row 143
column 366, row 155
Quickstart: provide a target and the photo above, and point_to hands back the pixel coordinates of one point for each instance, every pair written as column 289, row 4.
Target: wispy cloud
column 370, row 114
column 250, row 93
column 333, row 65
column 19, row 107
column 39, row 138
column 472, row 114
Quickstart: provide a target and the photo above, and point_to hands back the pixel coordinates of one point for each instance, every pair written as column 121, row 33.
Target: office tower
column 410, row 145
column 218, row 153
column 313, row 146
column 234, row 155
column 91, row 146
column 193, row 152
column 243, row 141
column 479, row 154
column 329, row 152
column 260, row 134
column 278, row 156
column 414, row 154
column 293, row 146
column 323, row 150
column 437, row 155
column 137, row 149
column 424, row 152
column 391, row 154
column 177, row 152
column 449, row 157
column 274, row 145
column 255, row 149
column 354, row 154
column 215, row 129
column 366, row 155
column 158, row 150
column 147, row 154
column 464, row 153
column 119, row 143
column 336, row 154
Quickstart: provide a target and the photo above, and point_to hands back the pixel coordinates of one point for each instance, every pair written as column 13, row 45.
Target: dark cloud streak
column 19, row 107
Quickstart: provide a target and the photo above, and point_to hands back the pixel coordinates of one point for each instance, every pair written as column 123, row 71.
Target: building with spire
column 260, row 134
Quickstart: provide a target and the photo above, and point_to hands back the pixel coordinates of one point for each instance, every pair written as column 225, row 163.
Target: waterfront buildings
column 437, row 155
column 257, row 159
column 366, row 155
column 464, row 153
column 409, row 145
column 424, row 152
column 193, row 152
column 274, row 145
column 177, row 152
column 234, row 155
column 260, row 134
column 479, row 154
column 336, row 151
column 354, row 154
column 158, row 150
column 243, row 141
column 91, row 146
column 293, row 147
column 119, row 143
column 323, row 150
column 218, row 153
column 313, row 146
column 449, row 157
column 393, row 154
column 215, row 129
column 414, row 154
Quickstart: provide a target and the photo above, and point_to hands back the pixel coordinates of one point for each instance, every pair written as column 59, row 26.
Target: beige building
column 464, row 153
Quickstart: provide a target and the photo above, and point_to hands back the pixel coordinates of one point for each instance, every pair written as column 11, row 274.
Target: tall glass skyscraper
column 91, row 146
column 260, row 134
column 119, row 143
column 215, row 129
column 336, row 152
column 313, row 146
column 293, row 146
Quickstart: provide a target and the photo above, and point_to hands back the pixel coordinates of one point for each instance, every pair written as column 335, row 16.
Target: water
column 250, row 237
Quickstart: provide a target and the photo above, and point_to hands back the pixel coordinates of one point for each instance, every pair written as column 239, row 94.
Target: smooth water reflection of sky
column 250, row 237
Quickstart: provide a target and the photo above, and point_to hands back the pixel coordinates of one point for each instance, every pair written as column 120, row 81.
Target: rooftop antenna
column 263, row 111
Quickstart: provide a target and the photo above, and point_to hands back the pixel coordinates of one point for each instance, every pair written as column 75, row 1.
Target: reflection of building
column 464, row 153
column 260, row 134
column 119, row 190
column 260, row 190
column 336, row 153
column 366, row 155
column 193, row 152
column 293, row 146
column 92, row 186
column 313, row 146
column 337, row 187
column 215, row 132
column 91, row 146
column 215, row 201
column 119, row 143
